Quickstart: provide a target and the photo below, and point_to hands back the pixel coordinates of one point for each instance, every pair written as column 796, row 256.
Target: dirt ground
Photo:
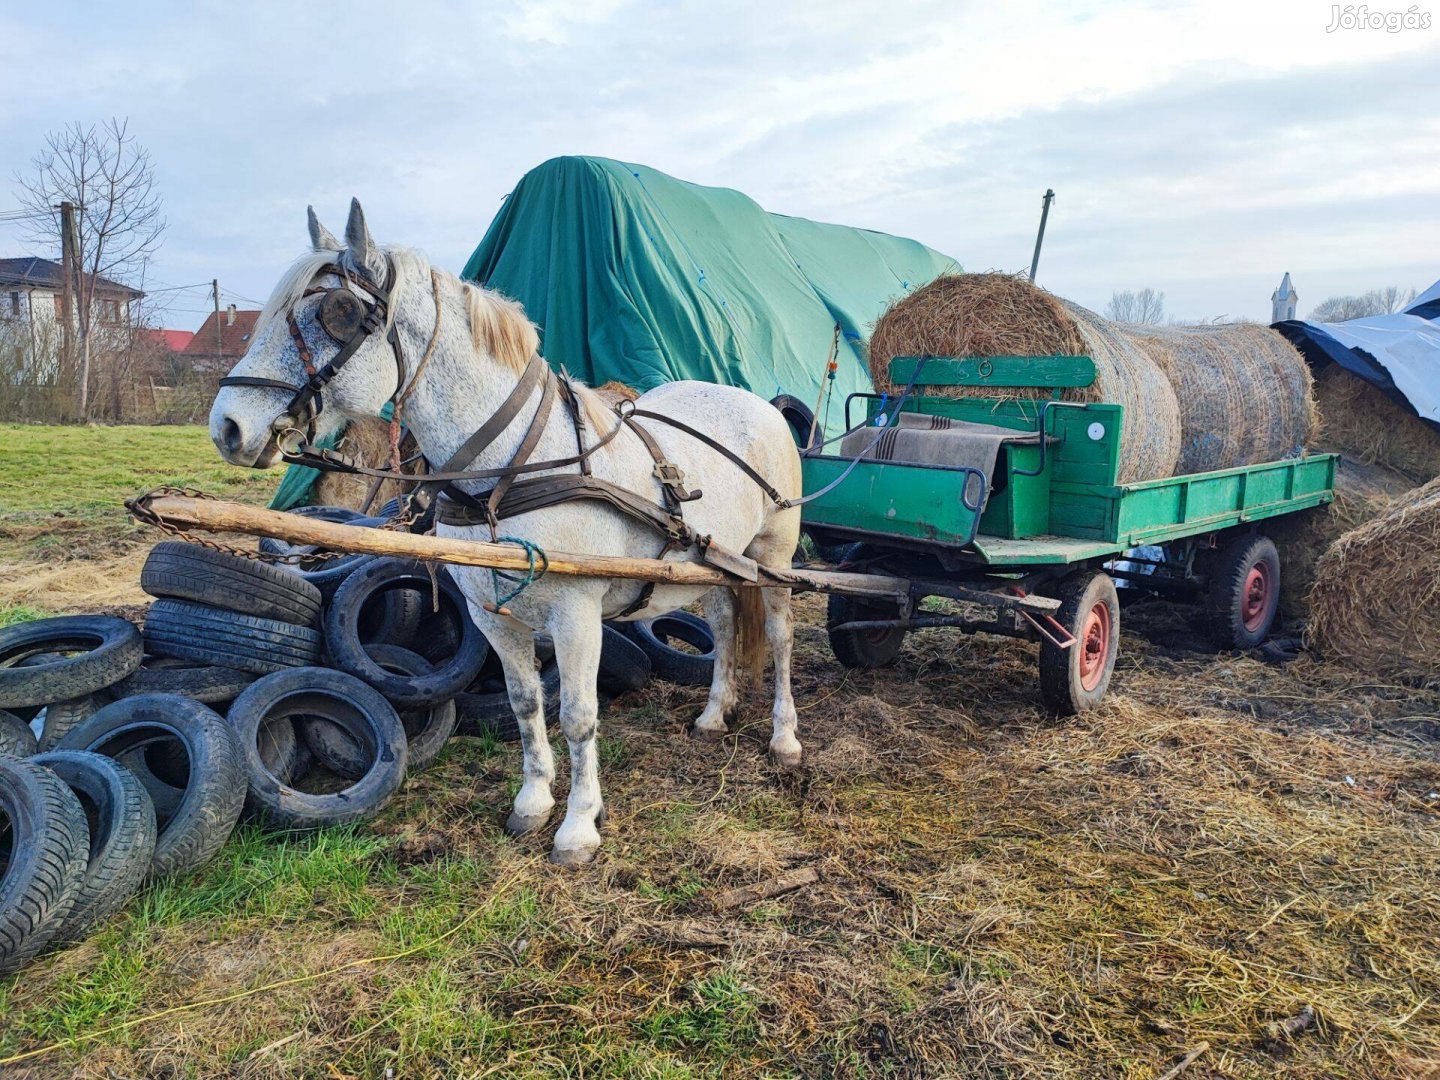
column 1222, row 846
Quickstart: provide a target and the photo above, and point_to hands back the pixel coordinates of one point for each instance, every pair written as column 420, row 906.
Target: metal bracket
column 1041, row 426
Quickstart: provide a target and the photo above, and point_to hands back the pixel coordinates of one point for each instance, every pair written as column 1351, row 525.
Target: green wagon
column 1010, row 509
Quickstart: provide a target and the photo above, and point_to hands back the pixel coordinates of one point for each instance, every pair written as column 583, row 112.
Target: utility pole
column 68, row 262
column 1040, row 237
column 219, row 348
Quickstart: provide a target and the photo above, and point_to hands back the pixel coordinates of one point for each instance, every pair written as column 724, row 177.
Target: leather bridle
column 348, row 319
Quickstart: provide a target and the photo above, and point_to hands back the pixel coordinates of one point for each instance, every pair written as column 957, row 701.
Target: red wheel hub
column 1094, row 646
column 1255, row 597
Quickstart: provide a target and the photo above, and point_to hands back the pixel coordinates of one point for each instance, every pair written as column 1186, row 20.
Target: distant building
column 1283, row 301
column 33, row 315
column 222, row 340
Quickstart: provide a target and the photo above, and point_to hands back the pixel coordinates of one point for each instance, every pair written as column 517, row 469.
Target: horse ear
column 363, row 251
column 321, row 238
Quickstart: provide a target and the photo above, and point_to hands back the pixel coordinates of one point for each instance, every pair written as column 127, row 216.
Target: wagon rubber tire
column 45, row 864
column 16, row 738
column 798, row 415
column 347, row 651
column 1074, row 680
column 121, row 822
column 862, row 649
column 206, row 683
column 669, row 663
column 1243, row 593
column 342, row 699
column 113, row 651
column 192, row 822
column 176, row 570
column 187, row 631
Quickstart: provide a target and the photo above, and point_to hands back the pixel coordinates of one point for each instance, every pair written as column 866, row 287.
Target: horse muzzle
column 241, row 443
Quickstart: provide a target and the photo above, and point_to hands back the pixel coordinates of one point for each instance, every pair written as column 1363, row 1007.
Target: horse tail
column 750, row 642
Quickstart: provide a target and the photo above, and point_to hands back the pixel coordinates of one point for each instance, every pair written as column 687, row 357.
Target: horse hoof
column 521, row 824
column 572, row 856
column 787, row 757
column 709, row 734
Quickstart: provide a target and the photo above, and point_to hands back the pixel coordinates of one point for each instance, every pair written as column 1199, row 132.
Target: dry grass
column 1376, row 599
column 1003, row 895
column 1362, row 421
column 368, row 442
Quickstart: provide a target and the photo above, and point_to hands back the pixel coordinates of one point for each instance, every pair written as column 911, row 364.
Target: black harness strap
column 735, row 458
column 540, row 492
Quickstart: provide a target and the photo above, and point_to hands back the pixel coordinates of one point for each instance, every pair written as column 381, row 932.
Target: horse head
column 325, row 349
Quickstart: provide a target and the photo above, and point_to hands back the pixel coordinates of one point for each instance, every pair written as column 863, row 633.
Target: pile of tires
column 298, row 694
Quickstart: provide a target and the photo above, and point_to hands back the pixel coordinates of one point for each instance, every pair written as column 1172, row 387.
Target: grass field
column 1001, row 895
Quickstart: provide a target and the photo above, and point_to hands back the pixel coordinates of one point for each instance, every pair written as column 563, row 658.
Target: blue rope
column 525, row 580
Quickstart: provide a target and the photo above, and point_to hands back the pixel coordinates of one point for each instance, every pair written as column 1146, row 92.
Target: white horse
column 481, row 344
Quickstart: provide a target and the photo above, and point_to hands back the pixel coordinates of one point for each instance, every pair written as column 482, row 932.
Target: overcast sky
column 1202, row 149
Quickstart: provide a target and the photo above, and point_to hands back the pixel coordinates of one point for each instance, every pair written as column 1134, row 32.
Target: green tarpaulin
column 635, row 276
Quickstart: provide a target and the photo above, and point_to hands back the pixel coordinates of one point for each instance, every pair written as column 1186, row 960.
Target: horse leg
column 720, row 613
column 780, row 635
column 577, row 634
column 515, row 645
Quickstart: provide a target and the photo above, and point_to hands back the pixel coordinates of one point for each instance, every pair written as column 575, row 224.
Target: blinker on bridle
column 348, row 320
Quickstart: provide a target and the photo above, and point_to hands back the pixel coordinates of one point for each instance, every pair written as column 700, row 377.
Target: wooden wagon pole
column 218, row 516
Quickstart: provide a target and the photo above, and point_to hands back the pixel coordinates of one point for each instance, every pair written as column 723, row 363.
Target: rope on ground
column 500, row 888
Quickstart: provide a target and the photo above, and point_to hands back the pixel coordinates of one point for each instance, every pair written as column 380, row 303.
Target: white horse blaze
column 462, row 386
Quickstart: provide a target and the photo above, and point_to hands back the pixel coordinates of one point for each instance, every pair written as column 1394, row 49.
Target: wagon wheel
column 862, row 648
column 1244, row 592
column 1073, row 680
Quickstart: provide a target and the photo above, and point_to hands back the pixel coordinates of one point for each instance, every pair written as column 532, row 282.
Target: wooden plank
column 998, row 371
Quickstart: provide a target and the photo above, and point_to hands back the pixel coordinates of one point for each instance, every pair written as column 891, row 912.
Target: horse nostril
column 230, row 435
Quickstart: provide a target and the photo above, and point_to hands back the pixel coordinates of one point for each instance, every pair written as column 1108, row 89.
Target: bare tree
column 109, row 178
column 1146, row 307
column 1386, row 301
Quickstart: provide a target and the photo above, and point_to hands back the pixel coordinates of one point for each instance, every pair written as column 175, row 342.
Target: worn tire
column 1243, row 591
column 325, row 573
column 121, row 824
column 211, row 635
column 60, row 717
column 206, row 683
column 344, row 700
column 484, row 709
column 1074, row 680
column 798, row 415
column 427, row 727
column 112, row 651
column 45, row 865
column 623, row 664
column 347, row 651
column 176, row 570
column 862, row 649
column 672, row 664
column 193, row 822
column 16, row 738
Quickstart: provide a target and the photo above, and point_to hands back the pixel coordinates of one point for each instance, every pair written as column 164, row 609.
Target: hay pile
column 1362, row 493
column 1360, row 420
column 1375, row 604
column 1003, row 315
column 1245, row 393
column 368, row 441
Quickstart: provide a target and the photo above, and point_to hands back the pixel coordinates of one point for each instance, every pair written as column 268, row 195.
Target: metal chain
column 140, row 510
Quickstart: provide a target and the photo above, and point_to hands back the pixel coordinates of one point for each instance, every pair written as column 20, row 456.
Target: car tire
column 121, row 825
column 176, row 570
column 16, row 738
column 48, row 849
column 347, row 650
column 427, row 727
column 205, row 683
column 623, row 664
column 341, row 699
column 672, row 664
column 194, row 821
column 112, row 650
column 188, row 631
column 484, row 709
column 60, row 717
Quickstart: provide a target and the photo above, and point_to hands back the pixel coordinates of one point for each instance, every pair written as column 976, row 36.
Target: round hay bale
column 368, row 442
column 1004, row 315
column 1362, row 493
column 1245, row 393
column 1363, row 421
column 1375, row 604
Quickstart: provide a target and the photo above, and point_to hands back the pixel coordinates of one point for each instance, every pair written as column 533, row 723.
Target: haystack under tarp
column 1375, row 604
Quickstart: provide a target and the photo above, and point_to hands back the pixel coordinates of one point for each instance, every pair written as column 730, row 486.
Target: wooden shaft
column 214, row 515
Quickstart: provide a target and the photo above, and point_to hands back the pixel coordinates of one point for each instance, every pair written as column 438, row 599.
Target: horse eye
column 341, row 313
